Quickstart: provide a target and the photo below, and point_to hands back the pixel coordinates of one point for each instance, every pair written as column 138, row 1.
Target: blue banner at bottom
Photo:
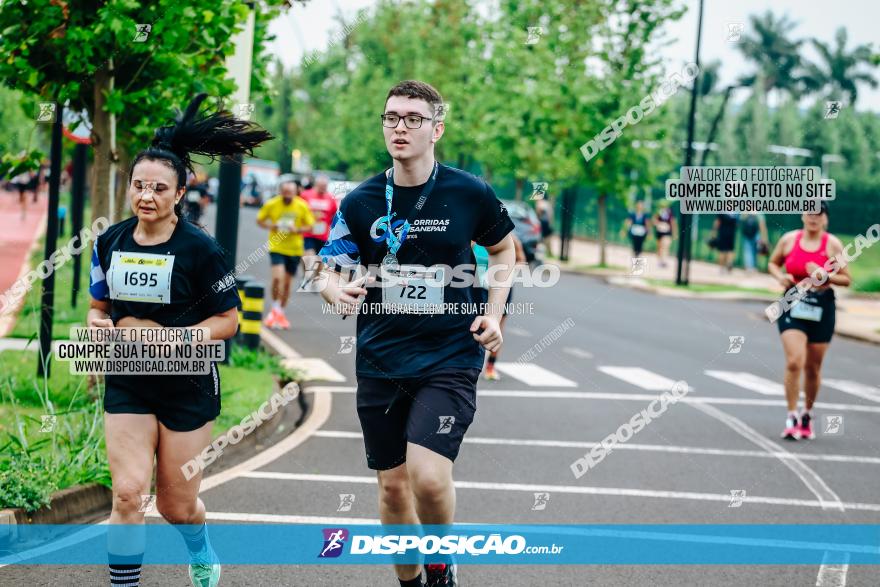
column 612, row 544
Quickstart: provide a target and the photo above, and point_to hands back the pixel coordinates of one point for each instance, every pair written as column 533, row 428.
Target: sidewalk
column 857, row 317
column 17, row 236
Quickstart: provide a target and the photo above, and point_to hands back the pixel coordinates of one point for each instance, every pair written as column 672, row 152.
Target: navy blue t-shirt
column 200, row 286
column 461, row 208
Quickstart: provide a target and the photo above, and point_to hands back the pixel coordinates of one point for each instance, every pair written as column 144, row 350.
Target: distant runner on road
column 417, row 371
column 287, row 216
column 323, row 206
column 806, row 329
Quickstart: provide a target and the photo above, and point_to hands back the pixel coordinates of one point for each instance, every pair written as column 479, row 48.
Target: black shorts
column 313, row 243
column 180, row 403
column 658, row 234
column 433, row 411
column 817, row 332
column 290, row 262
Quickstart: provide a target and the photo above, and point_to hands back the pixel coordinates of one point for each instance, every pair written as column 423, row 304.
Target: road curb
column 80, row 501
column 640, row 285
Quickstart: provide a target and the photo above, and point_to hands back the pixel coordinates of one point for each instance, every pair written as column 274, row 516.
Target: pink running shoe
column 271, row 320
column 807, row 426
column 792, row 429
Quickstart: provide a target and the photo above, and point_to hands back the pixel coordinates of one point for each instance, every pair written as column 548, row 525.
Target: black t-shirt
column 461, row 208
column 188, row 274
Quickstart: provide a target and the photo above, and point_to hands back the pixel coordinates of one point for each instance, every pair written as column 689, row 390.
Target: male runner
column 417, row 372
column 323, row 207
column 287, row 216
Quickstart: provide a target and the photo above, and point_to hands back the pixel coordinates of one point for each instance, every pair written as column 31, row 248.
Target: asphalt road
column 622, row 348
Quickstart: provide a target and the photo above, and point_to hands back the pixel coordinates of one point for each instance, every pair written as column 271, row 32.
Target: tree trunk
column 603, row 227
column 122, row 171
column 518, row 196
column 100, row 195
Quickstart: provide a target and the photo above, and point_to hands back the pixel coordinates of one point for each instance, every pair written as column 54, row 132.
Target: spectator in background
column 725, row 239
column 544, row 209
column 323, row 206
column 636, row 225
column 754, row 233
column 664, row 230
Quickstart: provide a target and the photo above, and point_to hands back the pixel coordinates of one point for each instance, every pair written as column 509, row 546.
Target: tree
column 97, row 57
column 840, row 71
column 776, row 56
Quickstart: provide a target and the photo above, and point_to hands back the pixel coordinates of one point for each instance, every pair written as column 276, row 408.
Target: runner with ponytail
column 183, row 281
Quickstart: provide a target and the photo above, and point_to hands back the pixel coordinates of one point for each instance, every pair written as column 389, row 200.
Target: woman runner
column 166, row 417
column 807, row 327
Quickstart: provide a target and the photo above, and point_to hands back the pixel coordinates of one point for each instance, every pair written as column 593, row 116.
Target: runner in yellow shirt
column 287, row 216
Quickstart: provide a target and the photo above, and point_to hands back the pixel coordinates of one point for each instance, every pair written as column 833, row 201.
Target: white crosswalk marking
column 639, row 377
column 533, row 375
column 854, row 388
column 748, row 381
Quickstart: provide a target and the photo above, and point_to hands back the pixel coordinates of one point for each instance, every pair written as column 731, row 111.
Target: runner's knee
column 794, row 363
column 394, row 490
column 429, row 483
column 127, row 496
column 176, row 511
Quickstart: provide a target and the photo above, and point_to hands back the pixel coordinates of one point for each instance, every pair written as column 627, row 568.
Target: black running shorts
column 816, row 331
column 179, row 402
column 290, row 262
column 433, row 411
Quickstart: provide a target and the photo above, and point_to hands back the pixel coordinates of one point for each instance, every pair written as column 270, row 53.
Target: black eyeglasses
column 411, row 121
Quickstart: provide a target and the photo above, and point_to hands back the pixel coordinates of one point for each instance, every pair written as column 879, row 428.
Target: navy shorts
column 313, row 243
column 290, row 262
column 180, row 403
column 433, row 411
column 816, row 331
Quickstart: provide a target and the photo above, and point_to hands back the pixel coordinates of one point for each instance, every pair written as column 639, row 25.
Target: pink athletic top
column 797, row 259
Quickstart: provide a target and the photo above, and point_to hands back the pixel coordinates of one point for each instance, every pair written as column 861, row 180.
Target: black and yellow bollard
column 240, row 280
column 252, row 313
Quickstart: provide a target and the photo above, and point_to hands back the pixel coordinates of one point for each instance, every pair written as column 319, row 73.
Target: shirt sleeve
column 97, row 279
column 263, row 212
column 218, row 283
column 340, row 251
column 307, row 217
column 494, row 222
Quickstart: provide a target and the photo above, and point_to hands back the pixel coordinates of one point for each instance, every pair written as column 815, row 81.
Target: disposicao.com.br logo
column 403, row 544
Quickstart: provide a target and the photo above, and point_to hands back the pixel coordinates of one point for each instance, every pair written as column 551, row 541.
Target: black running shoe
column 440, row 574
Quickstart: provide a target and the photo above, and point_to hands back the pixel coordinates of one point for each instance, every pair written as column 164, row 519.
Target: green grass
column 865, row 270
column 600, row 267
column 713, row 288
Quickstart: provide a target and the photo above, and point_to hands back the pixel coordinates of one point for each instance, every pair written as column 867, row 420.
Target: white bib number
column 140, row 277
column 806, row 311
column 413, row 289
column 637, row 230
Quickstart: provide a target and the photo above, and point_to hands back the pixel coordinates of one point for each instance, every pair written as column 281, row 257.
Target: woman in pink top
column 806, row 328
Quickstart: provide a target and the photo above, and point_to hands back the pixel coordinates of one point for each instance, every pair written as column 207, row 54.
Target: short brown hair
column 417, row 91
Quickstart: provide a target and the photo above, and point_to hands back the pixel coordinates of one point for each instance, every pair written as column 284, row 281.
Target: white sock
column 276, row 305
column 792, row 414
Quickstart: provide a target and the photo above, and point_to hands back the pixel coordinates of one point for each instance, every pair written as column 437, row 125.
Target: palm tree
column 776, row 55
column 840, row 70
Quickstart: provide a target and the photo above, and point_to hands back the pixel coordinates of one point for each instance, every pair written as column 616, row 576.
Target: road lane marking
column 517, row 331
column 748, row 381
column 639, row 377
column 808, row 476
column 833, row 575
column 315, row 369
column 576, row 352
column 854, row 388
column 571, row 489
column 642, row 397
column 534, row 375
column 695, row 450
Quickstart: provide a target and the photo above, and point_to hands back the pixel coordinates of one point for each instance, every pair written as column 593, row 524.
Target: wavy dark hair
column 215, row 134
